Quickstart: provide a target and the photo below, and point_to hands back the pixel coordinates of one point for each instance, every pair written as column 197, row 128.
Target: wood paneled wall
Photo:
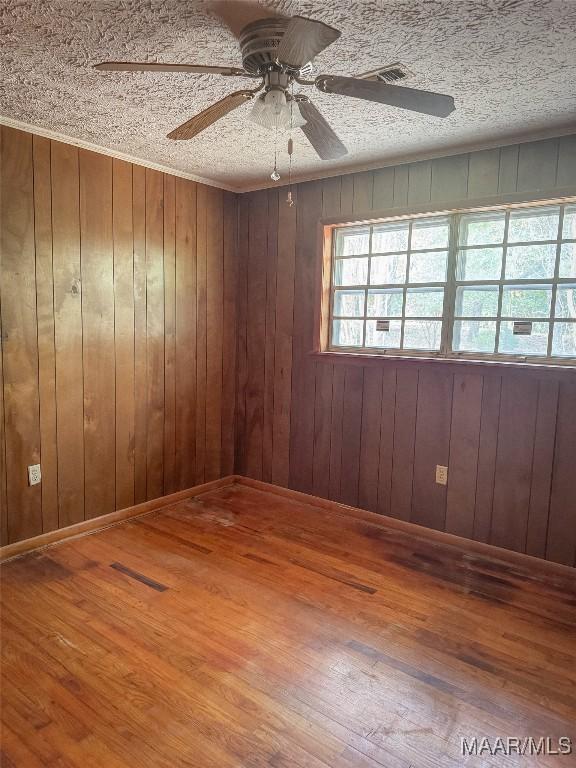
column 371, row 434
column 118, row 333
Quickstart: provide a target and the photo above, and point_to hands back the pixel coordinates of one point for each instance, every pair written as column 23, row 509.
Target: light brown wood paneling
column 100, row 314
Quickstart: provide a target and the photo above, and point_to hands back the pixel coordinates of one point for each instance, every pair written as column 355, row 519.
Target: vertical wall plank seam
column 82, row 337
column 553, row 466
column 453, row 379
column 413, row 440
column 114, row 314
column 36, row 307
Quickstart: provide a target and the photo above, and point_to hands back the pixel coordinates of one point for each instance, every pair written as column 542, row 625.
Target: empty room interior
column 288, row 384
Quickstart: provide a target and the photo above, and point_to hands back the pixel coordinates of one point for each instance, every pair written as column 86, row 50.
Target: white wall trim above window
column 494, row 284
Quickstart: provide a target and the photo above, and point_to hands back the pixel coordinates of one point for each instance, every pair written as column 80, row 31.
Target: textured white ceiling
column 510, row 65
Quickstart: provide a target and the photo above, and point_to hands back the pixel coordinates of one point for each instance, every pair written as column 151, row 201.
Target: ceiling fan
column 278, row 52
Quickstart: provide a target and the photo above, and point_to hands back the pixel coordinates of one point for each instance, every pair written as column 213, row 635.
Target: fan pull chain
column 289, row 199
column 275, row 175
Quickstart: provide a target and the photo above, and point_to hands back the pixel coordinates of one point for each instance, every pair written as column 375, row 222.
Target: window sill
column 562, row 371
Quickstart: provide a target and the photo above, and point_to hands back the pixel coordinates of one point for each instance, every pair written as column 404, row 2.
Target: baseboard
column 105, row 521
column 468, row 546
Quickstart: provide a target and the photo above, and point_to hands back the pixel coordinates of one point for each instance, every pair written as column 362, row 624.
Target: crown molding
column 404, row 159
column 54, row 135
column 414, row 157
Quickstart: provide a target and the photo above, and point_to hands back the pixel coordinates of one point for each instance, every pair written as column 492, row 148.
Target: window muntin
column 498, row 283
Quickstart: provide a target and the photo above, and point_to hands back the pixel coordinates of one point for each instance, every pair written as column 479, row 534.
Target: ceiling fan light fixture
column 275, row 113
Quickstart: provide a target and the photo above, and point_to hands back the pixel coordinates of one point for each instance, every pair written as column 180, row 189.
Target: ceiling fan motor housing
column 259, row 43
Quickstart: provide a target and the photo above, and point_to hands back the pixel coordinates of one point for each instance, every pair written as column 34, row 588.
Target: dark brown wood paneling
column 154, row 334
column 463, row 460
column 19, row 334
column 561, row 540
column 370, row 442
column 386, row 453
column 514, row 462
column 214, row 331
column 256, row 338
column 542, row 468
column 201, row 331
column 487, row 444
column 46, row 349
column 283, row 324
column 322, row 430
column 140, row 332
column 230, row 261
column 270, row 340
column 97, row 269
column 351, row 434
column 382, row 454
column 432, row 445
column 123, row 237
column 68, row 333
column 185, row 333
column 169, row 334
column 303, row 365
column 99, row 326
column 405, row 405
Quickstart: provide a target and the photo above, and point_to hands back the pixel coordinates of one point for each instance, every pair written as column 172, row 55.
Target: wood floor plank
column 242, row 628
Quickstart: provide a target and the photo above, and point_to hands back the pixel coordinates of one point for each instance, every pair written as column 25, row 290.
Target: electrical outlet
column 441, row 474
column 34, row 474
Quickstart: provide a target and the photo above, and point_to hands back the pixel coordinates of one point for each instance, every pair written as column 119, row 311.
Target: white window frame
column 452, row 283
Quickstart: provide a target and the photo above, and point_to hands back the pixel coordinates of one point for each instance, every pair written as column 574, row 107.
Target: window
column 498, row 283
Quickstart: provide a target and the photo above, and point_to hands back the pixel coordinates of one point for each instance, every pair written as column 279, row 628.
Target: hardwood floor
column 243, row 629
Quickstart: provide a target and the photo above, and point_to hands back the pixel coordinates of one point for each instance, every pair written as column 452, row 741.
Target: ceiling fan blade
column 427, row 102
column 326, row 143
column 303, row 40
column 214, row 112
column 131, row 66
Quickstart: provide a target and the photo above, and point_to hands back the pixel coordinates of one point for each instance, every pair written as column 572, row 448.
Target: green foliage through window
column 497, row 283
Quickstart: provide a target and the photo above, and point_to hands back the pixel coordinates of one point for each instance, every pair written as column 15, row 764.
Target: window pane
column 385, row 303
column 430, row 233
column 428, row 267
column 482, row 228
column 533, row 224
column 388, row 269
column 422, row 334
column 347, row 333
column 535, row 344
column 352, row 242
column 480, row 264
column 566, row 301
column 424, row 302
column 474, row 335
column 477, row 301
column 526, row 301
column 530, row 262
column 568, row 260
column 564, row 340
column 384, row 339
column 569, row 228
column 349, row 303
column 390, row 237
column 351, row 272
